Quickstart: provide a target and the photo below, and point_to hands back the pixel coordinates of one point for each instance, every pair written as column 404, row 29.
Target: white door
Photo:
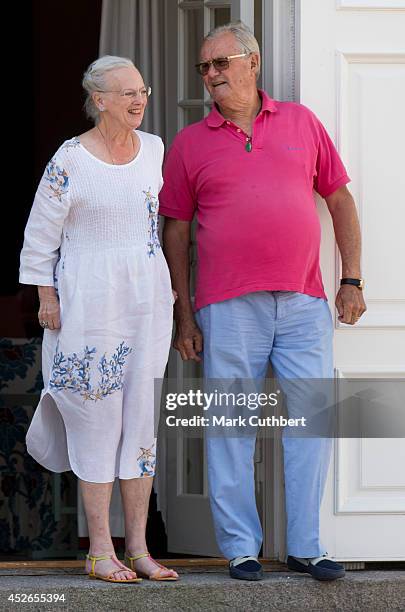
column 188, row 520
column 352, row 75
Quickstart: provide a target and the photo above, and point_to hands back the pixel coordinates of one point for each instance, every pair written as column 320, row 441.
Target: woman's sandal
column 155, row 575
column 108, row 578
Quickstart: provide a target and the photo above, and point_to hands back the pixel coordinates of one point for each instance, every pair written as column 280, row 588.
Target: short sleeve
column 330, row 170
column 43, row 232
column 176, row 198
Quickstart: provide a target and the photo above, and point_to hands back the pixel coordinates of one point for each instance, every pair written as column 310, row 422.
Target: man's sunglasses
column 219, row 63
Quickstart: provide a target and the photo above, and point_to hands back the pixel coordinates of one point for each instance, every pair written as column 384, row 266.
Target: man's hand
column 350, row 304
column 188, row 339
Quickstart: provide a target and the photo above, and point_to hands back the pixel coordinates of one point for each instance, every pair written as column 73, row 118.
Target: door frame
column 280, row 78
column 280, row 63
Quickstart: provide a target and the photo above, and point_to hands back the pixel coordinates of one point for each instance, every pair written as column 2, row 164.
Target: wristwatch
column 357, row 282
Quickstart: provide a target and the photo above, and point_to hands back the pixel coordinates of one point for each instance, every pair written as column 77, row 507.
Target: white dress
column 93, row 234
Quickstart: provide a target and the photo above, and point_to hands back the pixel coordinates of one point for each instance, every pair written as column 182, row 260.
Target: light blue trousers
column 294, row 332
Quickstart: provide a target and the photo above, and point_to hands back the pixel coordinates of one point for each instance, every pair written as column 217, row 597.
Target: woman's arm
column 42, row 238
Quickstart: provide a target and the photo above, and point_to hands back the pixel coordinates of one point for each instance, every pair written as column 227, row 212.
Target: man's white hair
column 243, row 35
column 94, row 79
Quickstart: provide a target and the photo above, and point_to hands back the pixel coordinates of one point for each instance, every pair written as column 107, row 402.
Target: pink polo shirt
column 257, row 224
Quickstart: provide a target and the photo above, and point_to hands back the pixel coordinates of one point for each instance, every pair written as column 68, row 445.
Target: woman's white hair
column 243, row 35
column 94, row 79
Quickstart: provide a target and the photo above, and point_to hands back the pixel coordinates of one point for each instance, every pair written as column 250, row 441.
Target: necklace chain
column 109, row 150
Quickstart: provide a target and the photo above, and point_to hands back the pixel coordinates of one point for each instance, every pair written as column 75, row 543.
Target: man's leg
column 237, row 336
column 302, row 349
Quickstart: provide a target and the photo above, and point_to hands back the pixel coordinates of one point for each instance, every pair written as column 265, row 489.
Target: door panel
column 354, row 54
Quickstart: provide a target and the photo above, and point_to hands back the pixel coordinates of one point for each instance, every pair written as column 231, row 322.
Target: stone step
column 207, row 588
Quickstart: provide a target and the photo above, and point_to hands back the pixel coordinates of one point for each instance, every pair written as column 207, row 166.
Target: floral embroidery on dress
column 72, row 372
column 152, row 204
column 64, row 256
column 71, row 144
column 58, row 180
column 147, row 461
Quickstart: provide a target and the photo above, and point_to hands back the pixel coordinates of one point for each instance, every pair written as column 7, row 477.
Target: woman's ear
column 98, row 102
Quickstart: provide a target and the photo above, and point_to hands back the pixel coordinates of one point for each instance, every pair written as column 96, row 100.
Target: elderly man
column 248, row 170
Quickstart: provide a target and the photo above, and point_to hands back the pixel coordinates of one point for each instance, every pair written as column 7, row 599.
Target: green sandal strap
column 94, row 559
column 136, row 557
column 100, row 558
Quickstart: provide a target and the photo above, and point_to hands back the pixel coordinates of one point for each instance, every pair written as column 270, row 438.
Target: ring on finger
column 44, row 324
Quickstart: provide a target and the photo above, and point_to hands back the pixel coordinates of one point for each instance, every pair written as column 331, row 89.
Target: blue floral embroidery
column 152, row 204
column 64, row 256
column 71, row 144
column 73, row 373
column 58, row 180
column 147, row 461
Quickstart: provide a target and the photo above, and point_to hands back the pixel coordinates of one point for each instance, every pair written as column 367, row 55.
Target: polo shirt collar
column 215, row 119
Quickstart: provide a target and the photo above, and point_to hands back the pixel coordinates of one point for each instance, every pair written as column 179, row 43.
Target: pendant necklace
column 248, row 145
column 109, row 151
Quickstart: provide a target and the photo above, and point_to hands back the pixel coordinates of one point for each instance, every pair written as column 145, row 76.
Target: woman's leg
column 135, row 500
column 96, row 500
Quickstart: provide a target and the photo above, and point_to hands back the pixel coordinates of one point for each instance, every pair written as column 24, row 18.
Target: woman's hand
column 49, row 309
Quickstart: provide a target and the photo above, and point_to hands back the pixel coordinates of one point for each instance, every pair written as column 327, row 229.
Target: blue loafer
column 320, row 568
column 245, row 568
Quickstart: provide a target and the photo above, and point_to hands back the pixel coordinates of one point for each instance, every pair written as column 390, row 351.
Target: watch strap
column 357, row 282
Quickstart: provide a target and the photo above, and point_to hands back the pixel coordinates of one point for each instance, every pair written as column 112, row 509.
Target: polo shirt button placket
column 248, row 145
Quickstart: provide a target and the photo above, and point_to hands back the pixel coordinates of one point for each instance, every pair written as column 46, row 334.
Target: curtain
column 136, row 29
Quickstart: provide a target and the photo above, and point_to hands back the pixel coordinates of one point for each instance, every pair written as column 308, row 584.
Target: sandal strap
column 136, row 557
column 161, row 566
column 99, row 558
column 94, row 560
column 142, row 556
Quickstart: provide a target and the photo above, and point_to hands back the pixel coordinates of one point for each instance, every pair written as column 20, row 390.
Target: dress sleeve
column 43, row 232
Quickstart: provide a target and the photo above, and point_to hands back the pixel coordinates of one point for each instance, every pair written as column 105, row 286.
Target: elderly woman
column 92, row 248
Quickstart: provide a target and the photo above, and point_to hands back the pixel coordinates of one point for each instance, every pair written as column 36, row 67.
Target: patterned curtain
column 32, row 522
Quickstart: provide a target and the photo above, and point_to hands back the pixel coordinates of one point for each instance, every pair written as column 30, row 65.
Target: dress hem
column 72, row 468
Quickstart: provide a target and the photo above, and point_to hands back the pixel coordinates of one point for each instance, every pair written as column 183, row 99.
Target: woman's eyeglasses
column 219, row 63
column 132, row 94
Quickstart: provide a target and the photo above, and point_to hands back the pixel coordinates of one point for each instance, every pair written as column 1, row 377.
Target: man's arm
column 349, row 300
column 176, row 247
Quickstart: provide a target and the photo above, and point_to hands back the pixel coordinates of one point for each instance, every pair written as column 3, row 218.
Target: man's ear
column 255, row 63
